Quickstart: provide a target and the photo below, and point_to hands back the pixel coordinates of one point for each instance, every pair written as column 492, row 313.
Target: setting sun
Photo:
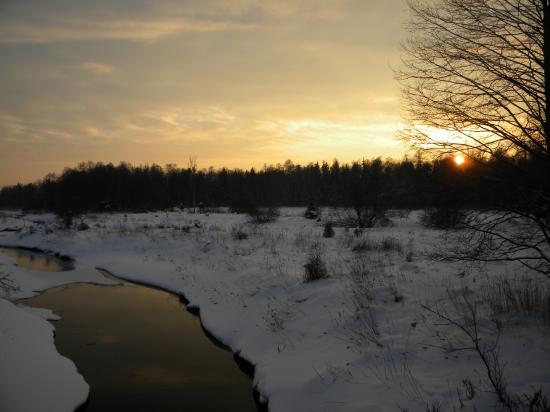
column 459, row 160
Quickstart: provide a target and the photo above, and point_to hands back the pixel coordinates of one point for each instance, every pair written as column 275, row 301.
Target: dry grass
column 519, row 296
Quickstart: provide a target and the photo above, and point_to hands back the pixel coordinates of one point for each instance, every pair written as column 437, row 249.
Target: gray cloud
column 35, row 21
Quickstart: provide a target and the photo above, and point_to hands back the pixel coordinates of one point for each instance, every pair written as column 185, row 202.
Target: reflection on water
column 141, row 351
column 37, row 261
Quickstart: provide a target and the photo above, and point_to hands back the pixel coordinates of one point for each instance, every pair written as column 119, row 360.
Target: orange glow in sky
column 238, row 83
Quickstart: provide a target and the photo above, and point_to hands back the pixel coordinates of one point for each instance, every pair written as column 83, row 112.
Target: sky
column 234, row 83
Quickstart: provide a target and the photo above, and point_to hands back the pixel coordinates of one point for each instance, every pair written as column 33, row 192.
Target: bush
column 315, row 268
column 390, row 243
column 328, row 231
column 82, row 226
column 238, row 233
column 363, row 245
column 367, row 217
column 262, row 215
column 66, row 218
column 311, row 212
column 443, row 217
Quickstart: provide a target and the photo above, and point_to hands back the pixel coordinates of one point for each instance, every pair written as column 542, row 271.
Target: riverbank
column 360, row 339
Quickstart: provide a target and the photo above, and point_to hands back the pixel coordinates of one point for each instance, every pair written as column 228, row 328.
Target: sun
column 459, row 159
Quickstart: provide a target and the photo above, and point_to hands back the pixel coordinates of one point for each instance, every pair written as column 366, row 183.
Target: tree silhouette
column 371, row 184
column 475, row 79
column 476, row 69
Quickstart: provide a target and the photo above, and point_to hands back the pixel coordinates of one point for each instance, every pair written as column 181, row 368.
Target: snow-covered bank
column 358, row 340
column 33, row 376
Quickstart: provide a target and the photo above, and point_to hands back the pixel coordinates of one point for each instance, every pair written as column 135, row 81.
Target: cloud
column 36, row 21
column 91, row 131
column 136, row 30
column 12, row 128
column 197, row 118
column 346, row 131
column 236, row 82
column 312, row 9
column 97, row 68
column 313, row 139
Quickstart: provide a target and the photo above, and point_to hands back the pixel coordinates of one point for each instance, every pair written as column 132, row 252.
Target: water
column 36, row 260
column 140, row 350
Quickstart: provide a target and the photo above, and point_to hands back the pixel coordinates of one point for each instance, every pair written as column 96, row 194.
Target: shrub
column 328, row 230
column 362, row 278
column 443, row 217
column 82, row 226
column 510, row 297
column 390, row 243
column 386, row 245
column 409, row 250
column 66, row 218
column 367, row 217
column 315, row 268
column 311, row 212
column 262, row 215
column 302, row 241
column 238, row 233
column 363, row 245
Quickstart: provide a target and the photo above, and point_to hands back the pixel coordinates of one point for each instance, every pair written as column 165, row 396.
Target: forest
column 376, row 184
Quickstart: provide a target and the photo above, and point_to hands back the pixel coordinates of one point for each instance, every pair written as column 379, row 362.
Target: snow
column 46, row 314
column 33, row 376
column 361, row 340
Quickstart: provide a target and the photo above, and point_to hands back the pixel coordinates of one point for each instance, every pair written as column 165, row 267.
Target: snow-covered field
column 381, row 333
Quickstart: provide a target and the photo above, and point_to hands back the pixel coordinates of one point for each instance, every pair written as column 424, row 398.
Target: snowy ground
column 364, row 339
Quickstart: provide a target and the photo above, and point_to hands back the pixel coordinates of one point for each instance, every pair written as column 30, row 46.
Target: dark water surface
column 36, row 260
column 140, row 350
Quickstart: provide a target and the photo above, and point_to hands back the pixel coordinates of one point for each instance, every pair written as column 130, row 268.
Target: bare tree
column 464, row 315
column 474, row 80
column 475, row 70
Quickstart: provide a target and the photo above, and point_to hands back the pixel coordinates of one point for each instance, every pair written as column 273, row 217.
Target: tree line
column 375, row 184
